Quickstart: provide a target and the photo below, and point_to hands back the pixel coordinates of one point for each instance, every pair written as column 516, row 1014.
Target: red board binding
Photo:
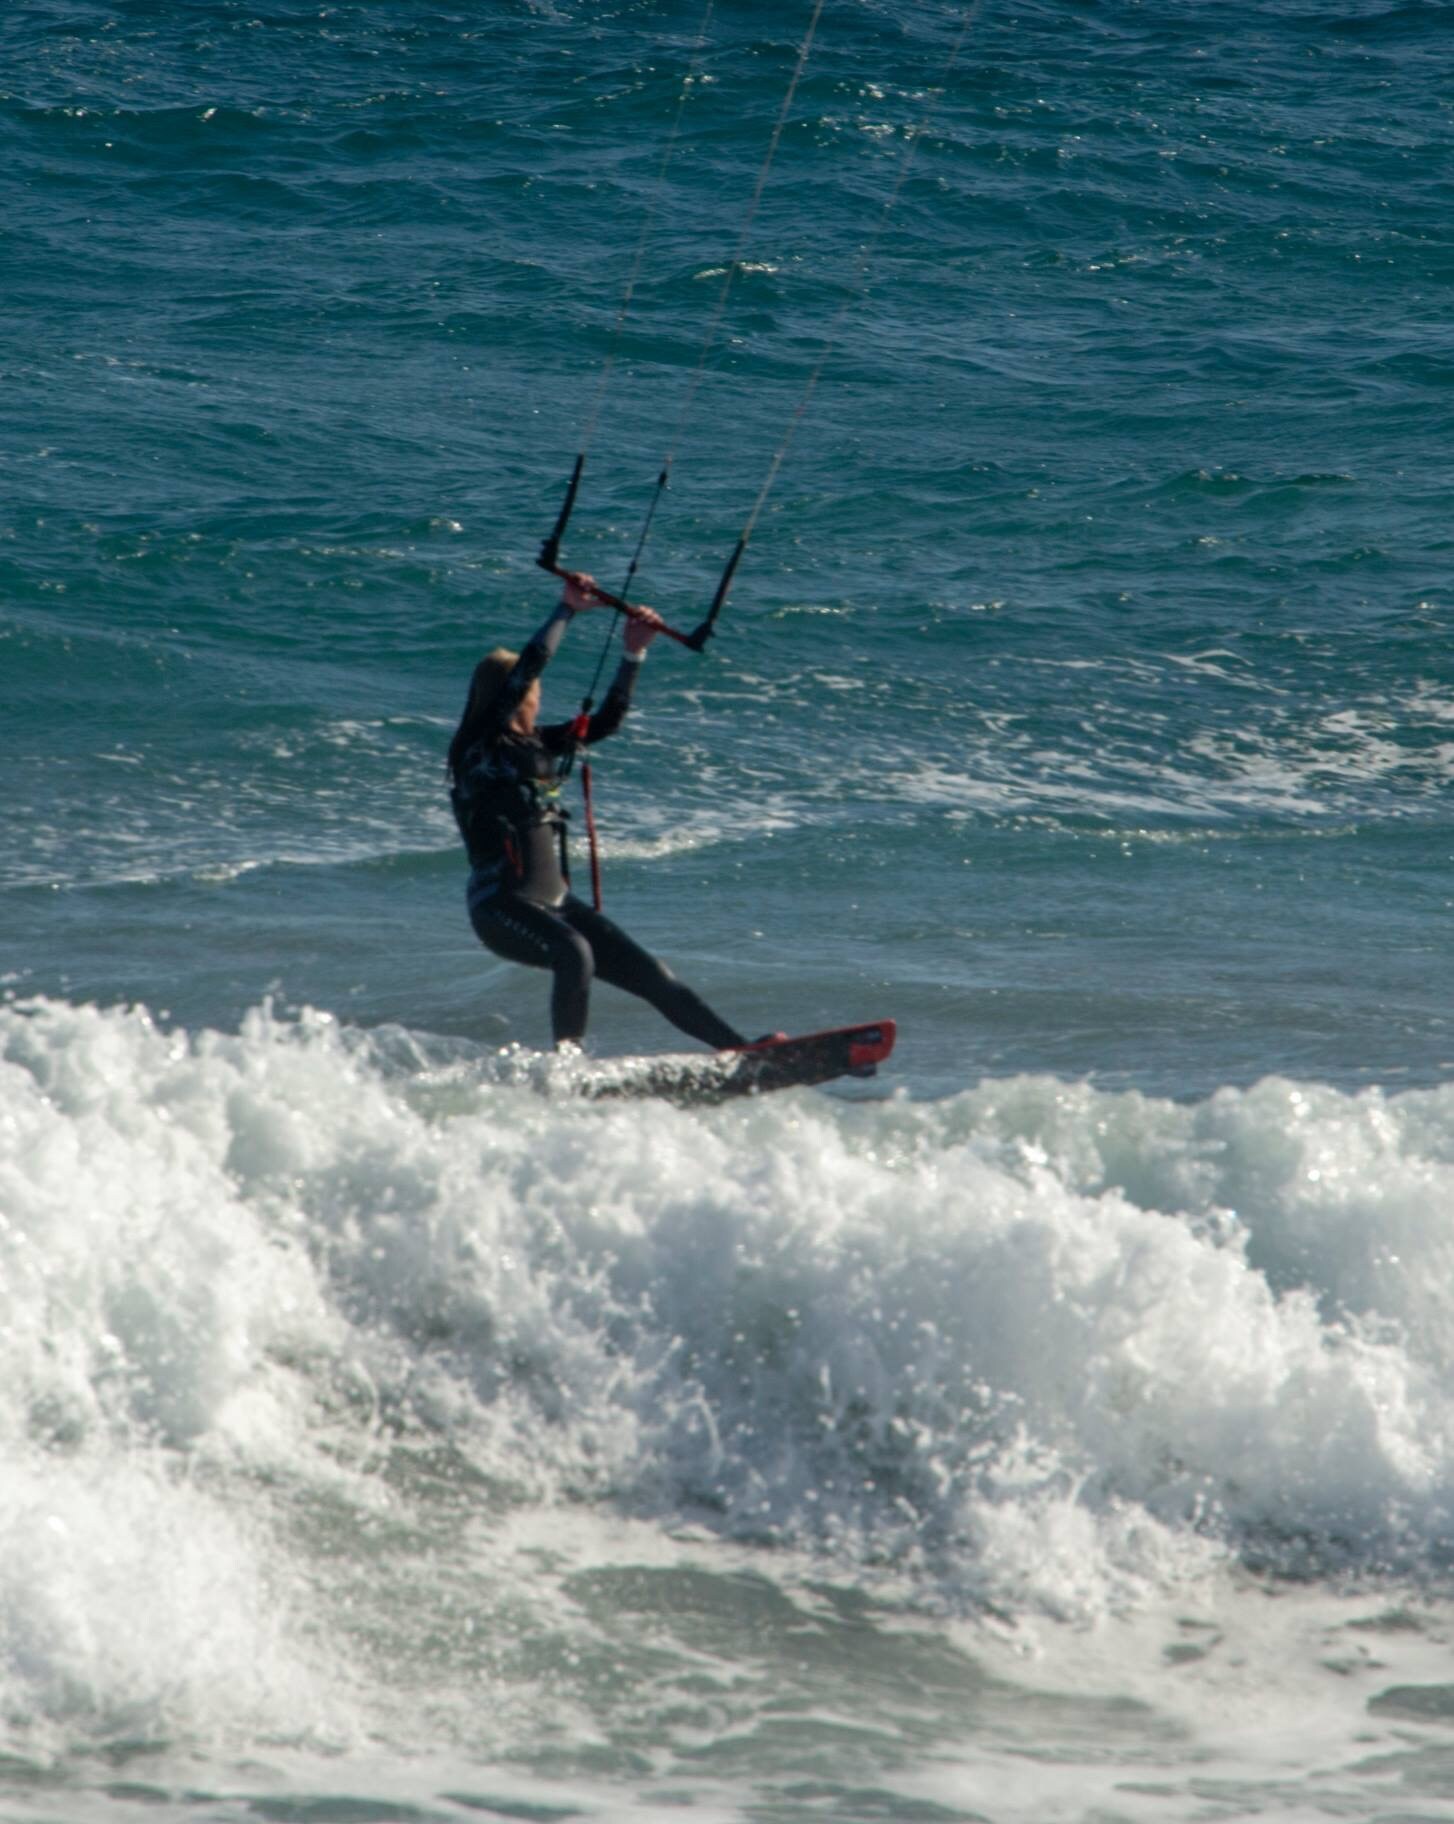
column 866, row 1044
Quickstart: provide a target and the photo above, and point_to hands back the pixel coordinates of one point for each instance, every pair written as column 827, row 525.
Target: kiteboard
column 693, row 1080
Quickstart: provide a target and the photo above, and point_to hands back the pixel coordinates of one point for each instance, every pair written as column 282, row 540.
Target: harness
column 491, row 830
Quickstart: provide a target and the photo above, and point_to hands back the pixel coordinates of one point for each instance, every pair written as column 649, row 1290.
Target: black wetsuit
column 506, row 799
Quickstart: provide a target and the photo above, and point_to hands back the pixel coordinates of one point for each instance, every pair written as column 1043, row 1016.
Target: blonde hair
column 490, row 678
column 491, row 675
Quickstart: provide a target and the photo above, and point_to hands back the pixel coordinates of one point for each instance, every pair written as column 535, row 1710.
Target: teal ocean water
column 1060, row 1428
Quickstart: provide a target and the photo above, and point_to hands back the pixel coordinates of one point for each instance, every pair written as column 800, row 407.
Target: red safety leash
column 580, row 729
column 591, row 835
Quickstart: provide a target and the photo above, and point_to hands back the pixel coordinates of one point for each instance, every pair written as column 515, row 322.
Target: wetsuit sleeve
column 539, row 651
column 612, row 713
column 608, row 718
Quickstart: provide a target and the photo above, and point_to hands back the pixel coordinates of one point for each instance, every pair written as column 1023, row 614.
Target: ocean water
column 1060, row 1428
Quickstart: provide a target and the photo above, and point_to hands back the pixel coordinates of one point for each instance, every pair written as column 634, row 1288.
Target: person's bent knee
column 576, row 962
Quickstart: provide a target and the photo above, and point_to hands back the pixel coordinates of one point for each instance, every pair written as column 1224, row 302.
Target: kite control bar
column 549, row 559
column 632, row 610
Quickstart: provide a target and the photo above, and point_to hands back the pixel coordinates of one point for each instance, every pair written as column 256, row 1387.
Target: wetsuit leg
column 523, row 932
column 624, row 964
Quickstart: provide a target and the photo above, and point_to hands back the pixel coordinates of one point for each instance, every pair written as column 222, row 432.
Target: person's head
column 489, row 679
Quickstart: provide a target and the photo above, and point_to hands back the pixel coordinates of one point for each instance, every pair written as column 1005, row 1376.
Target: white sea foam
column 1032, row 1352
column 140, row 1306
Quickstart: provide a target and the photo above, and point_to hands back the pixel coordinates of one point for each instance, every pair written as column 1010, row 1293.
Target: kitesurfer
column 506, row 772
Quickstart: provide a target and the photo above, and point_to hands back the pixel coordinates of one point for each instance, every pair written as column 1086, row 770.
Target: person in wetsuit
column 505, row 781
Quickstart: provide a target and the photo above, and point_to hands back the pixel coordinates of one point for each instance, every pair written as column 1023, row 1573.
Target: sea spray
column 1033, row 1347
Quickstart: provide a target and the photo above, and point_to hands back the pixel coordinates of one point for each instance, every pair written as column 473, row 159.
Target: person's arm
column 638, row 636
column 541, row 647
